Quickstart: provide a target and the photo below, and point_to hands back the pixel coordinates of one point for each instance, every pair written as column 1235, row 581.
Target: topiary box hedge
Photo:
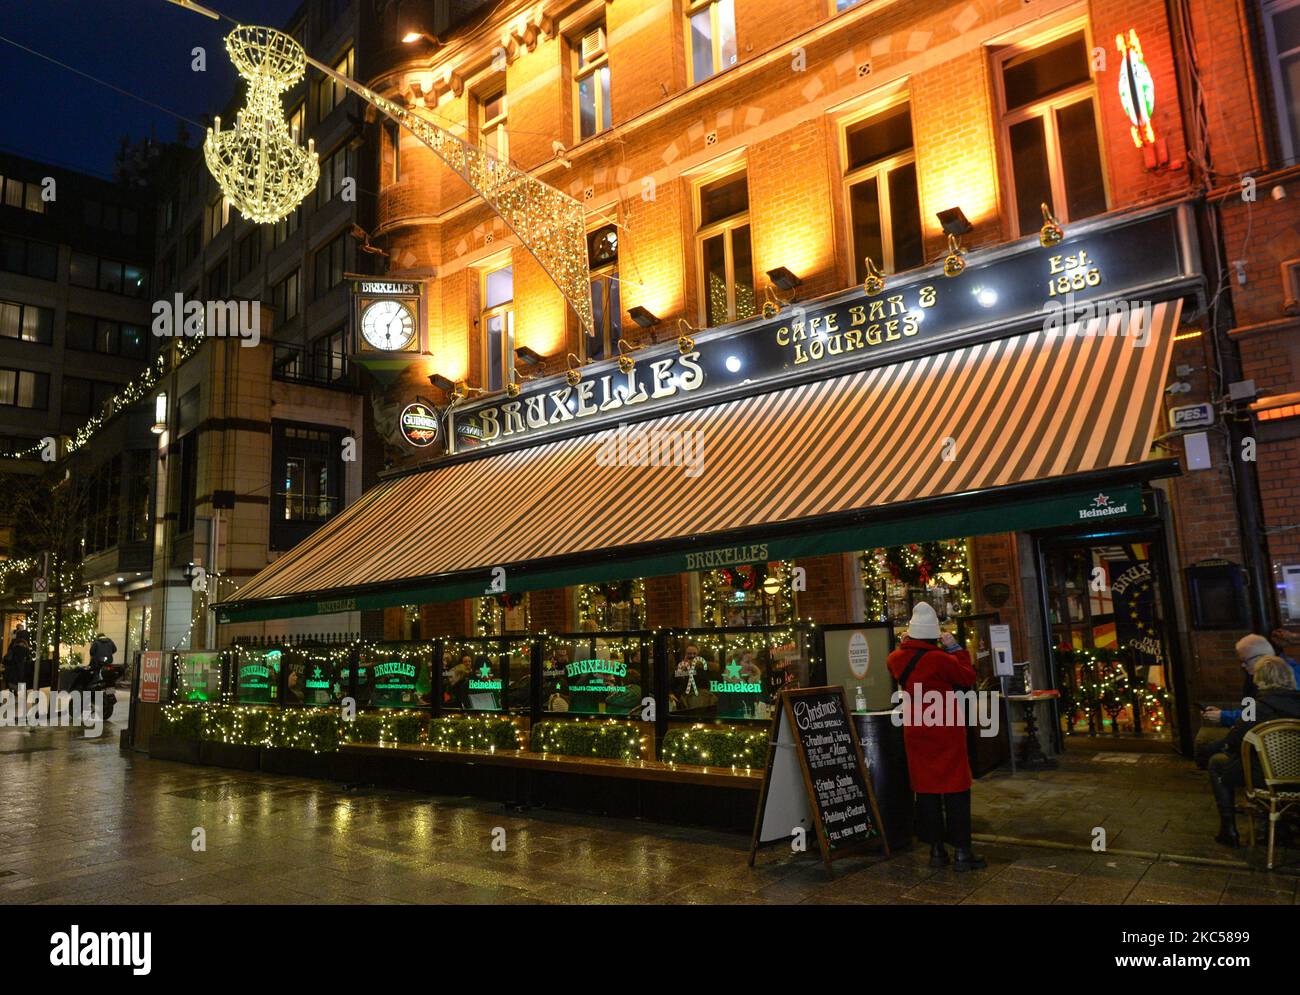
column 716, row 746
column 387, row 727
column 611, row 739
column 313, row 729
column 473, row 734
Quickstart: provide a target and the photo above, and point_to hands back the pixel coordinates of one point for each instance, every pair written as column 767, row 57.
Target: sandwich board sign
column 816, row 778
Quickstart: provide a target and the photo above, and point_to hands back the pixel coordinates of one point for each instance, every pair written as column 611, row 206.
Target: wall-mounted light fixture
column 626, row 361
column 438, row 381
column 642, row 317
column 527, row 356
column 954, row 221
column 1051, row 233
column 574, row 374
column 875, row 281
column 159, row 414
column 685, row 341
column 953, row 264
column 783, row 279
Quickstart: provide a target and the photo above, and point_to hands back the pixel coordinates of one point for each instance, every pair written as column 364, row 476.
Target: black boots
column 938, row 855
column 1228, row 831
column 965, row 860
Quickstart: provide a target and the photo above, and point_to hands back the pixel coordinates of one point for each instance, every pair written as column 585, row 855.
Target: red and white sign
column 151, row 665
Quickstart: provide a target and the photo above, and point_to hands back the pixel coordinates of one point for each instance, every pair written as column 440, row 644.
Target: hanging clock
column 388, row 325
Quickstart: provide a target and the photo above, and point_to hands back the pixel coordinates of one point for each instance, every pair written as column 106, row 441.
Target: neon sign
column 1137, row 90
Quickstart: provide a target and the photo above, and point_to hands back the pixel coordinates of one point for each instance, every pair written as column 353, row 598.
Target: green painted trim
column 997, row 516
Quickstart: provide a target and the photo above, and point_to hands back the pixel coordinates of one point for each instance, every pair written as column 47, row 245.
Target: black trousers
column 944, row 818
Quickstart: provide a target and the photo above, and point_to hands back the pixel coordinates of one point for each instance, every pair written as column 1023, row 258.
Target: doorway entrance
column 1112, row 653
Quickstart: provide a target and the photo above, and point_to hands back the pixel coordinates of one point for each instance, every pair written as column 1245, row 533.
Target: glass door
column 1106, row 611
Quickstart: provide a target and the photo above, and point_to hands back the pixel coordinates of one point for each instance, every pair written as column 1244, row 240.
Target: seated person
column 1277, row 698
column 1250, row 650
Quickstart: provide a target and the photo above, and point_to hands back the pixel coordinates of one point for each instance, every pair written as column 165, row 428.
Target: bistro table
column 1031, row 751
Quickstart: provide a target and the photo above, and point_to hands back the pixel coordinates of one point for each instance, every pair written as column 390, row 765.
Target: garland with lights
column 1097, row 680
column 610, row 739
column 717, row 746
column 620, row 592
column 916, row 565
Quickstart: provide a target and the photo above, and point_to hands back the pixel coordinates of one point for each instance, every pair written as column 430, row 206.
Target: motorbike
column 98, row 675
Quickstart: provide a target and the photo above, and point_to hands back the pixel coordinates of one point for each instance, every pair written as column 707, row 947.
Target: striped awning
column 1032, row 407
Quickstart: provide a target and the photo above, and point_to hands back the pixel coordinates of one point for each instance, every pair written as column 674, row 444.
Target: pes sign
column 1191, row 416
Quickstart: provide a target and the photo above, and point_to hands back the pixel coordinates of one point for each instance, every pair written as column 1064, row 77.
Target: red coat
column 936, row 754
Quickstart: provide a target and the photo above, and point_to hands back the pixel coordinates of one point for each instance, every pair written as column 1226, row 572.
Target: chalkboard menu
column 816, row 777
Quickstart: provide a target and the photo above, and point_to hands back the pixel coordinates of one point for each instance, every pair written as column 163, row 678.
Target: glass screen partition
column 257, row 675
column 396, row 675
column 734, row 674
column 607, row 673
column 487, row 674
column 198, row 677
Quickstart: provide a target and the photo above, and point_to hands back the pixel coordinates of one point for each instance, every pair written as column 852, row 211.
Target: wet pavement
column 83, row 823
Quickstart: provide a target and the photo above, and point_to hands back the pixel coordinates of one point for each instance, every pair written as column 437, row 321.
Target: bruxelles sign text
column 1114, row 262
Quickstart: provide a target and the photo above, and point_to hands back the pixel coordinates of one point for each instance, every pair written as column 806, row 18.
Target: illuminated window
column 591, row 82
column 1050, row 131
column 391, row 153
column 711, row 28
column 722, row 249
column 492, row 125
column 881, row 192
column 497, row 324
column 1282, row 32
column 606, row 309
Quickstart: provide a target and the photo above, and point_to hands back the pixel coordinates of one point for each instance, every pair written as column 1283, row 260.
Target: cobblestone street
column 83, row 823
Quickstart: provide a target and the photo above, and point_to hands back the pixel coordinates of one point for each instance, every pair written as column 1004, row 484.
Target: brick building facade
column 712, row 143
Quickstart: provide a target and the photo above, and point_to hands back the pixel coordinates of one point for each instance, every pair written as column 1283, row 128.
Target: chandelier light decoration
column 265, row 174
column 258, row 164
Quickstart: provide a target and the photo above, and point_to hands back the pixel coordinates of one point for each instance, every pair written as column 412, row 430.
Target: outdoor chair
column 1278, row 745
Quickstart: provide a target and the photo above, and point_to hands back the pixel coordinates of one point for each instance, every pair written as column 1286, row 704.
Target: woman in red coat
column 936, row 751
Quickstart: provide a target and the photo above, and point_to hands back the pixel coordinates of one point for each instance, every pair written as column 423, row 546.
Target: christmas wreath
column 617, row 592
column 915, row 564
column 509, row 601
column 743, row 578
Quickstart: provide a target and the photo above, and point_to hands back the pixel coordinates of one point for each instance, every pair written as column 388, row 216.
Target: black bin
column 882, row 748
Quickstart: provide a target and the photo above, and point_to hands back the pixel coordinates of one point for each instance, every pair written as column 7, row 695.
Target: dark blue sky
column 142, row 46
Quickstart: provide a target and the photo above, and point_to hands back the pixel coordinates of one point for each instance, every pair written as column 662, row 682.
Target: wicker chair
column 1278, row 745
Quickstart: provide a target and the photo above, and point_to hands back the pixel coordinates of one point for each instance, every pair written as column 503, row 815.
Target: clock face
column 388, row 325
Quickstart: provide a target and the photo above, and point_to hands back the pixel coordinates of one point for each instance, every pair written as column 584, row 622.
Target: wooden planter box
column 304, row 763
column 174, row 748
column 233, row 755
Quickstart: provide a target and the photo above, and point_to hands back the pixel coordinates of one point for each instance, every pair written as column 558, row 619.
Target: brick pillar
column 447, row 618
column 666, row 604
column 393, row 623
column 549, row 610
column 994, row 560
column 827, row 598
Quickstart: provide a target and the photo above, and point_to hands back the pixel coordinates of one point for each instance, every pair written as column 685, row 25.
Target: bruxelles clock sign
column 388, row 325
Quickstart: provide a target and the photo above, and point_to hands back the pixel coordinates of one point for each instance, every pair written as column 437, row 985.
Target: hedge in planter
column 314, row 729
column 241, row 726
column 387, row 727
column 473, row 734
column 716, row 746
column 612, row 740
column 181, row 721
